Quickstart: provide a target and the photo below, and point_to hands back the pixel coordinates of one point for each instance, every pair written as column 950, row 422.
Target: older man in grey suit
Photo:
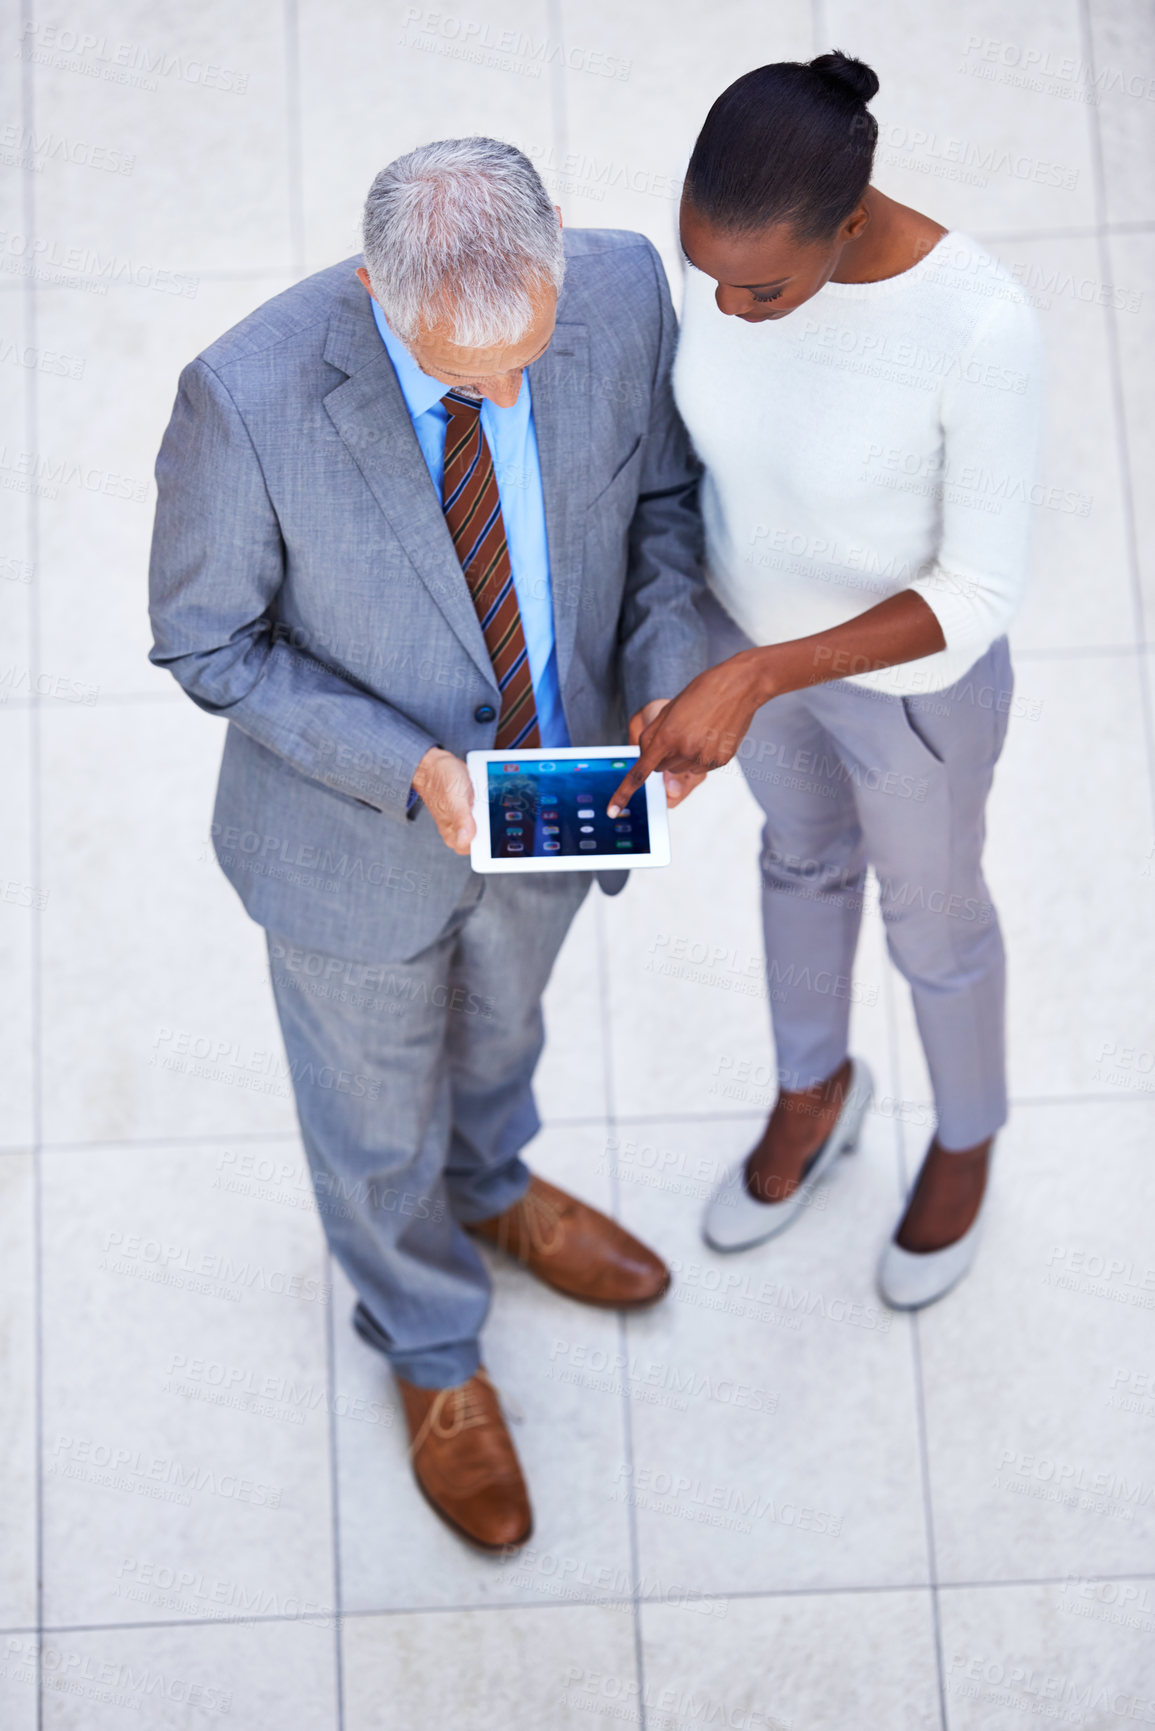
column 425, row 504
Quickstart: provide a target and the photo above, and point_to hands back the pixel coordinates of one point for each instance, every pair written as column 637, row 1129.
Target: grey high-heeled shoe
column 910, row 1279
column 735, row 1220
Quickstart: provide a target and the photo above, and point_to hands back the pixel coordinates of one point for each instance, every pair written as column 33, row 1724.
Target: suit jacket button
column 485, row 712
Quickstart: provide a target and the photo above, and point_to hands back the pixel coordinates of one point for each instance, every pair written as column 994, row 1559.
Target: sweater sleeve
column 991, row 413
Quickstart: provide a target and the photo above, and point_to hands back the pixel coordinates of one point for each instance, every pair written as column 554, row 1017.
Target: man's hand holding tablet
column 447, row 787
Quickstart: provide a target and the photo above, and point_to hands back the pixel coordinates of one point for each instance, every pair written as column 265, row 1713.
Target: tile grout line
column 928, row 1510
column 296, row 211
column 211, row 1138
column 924, row 1471
column 894, row 1053
column 818, row 31
column 264, row 273
column 853, row 1589
column 610, row 1123
column 856, row 1589
column 555, row 30
column 294, row 166
column 334, row 1493
column 1118, row 402
column 1091, row 233
column 36, row 1002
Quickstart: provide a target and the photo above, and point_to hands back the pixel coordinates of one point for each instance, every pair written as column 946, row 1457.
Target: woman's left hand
column 702, row 728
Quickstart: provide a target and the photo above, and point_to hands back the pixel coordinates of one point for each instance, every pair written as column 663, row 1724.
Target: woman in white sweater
column 862, row 387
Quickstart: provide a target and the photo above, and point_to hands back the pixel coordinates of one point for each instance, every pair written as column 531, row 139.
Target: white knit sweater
column 881, row 437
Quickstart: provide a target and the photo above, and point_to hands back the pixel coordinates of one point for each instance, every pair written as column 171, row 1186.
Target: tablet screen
column 541, row 809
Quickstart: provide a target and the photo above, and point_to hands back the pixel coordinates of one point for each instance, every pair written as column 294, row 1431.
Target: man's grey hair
column 463, row 230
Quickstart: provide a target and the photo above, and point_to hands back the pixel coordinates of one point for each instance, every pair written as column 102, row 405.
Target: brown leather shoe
column 576, row 1250
column 465, row 1462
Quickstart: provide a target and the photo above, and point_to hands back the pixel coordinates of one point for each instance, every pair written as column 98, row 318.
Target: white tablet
column 545, row 811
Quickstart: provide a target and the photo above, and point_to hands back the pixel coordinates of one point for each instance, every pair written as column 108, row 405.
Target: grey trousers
column 413, row 1090
column 849, row 777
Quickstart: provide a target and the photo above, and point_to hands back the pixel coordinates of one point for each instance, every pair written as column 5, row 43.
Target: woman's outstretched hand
column 702, row 728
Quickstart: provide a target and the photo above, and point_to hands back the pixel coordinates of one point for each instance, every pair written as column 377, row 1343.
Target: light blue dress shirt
column 512, row 441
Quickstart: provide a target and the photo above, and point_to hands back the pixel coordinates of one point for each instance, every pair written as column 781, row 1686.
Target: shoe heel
column 850, row 1146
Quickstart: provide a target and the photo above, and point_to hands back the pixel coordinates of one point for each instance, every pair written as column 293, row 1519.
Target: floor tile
column 838, row 1661
column 571, row 1078
column 251, row 1675
column 1123, row 47
column 963, row 134
column 523, row 1669
column 158, row 1013
column 21, row 902
column 569, row 1436
column 16, row 161
column 1133, row 261
column 18, row 1409
column 18, row 1682
column 1039, row 1398
column 377, row 82
column 186, row 1405
column 100, row 426
column 622, row 146
column 171, row 128
column 20, row 357
column 775, row 1442
column 1079, row 590
column 1079, row 1653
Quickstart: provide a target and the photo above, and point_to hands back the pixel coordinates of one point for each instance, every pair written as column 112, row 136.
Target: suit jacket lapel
column 369, row 412
column 559, row 383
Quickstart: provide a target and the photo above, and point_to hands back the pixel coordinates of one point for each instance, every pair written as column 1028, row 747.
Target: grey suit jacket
column 304, row 584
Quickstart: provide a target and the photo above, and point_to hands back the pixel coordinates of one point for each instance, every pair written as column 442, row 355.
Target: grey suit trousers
column 413, row 1088
column 849, row 777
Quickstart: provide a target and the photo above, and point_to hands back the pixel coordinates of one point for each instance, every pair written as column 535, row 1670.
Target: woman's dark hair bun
column 791, row 142
column 856, row 75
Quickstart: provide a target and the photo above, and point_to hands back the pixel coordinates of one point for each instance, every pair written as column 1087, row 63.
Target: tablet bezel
column 657, row 815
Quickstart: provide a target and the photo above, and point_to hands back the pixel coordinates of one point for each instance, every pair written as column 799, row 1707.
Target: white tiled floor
column 771, row 1503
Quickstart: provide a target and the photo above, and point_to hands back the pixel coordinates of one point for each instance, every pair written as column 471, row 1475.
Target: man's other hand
column 444, row 784
column 678, row 787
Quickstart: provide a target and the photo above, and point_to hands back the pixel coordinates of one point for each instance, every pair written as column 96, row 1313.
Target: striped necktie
column 473, row 514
